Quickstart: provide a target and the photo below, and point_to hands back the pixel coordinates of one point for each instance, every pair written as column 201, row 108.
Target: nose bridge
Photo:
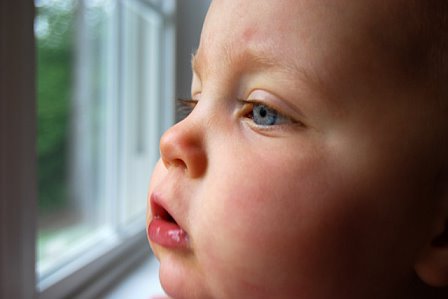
column 183, row 145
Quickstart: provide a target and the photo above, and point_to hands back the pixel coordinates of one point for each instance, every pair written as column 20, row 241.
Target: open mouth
column 164, row 230
column 160, row 213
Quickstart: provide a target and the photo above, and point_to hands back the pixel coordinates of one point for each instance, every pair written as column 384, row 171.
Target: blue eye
column 263, row 115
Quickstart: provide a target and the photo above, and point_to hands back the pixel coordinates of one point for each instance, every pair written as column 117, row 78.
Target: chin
column 179, row 277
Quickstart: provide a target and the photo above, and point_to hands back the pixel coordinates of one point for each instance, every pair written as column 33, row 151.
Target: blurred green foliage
column 54, row 43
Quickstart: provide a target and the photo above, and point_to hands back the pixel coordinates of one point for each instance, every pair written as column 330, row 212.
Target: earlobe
column 432, row 267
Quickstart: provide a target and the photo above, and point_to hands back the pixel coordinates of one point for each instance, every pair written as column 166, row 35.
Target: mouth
column 161, row 213
column 163, row 228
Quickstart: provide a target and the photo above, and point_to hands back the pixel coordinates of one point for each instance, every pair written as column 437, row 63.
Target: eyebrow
column 255, row 61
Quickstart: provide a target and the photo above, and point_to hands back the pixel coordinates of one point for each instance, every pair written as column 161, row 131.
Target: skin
column 336, row 201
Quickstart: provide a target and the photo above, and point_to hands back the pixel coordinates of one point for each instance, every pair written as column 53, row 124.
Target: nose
column 183, row 146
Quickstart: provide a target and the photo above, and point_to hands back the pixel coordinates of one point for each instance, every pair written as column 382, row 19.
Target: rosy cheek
column 237, row 228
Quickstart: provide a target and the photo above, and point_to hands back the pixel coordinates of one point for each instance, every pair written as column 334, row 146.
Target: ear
column 432, row 266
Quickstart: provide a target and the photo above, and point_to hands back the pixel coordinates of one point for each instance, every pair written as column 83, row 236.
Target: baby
column 314, row 162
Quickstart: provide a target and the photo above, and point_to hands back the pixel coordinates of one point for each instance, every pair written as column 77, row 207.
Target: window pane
column 105, row 80
column 142, row 29
column 72, row 78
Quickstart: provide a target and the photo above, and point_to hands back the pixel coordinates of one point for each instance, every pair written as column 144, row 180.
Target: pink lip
column 163, row 229
column 167, row 234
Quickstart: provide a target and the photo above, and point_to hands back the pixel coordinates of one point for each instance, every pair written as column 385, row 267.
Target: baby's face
column 303, row 170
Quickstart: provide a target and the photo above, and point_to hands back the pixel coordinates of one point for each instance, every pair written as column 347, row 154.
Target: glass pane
column 73, row 81
column 142, row 29
column 101, row 82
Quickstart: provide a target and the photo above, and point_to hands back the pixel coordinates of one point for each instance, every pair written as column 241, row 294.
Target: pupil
column 263, row 112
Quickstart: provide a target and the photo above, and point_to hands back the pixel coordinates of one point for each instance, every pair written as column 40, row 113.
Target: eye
column 264, row 116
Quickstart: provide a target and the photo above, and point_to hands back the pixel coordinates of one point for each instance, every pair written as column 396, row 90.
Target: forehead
column 332, row 42
column 239, row 30
column 274, row 25
column 246, row 36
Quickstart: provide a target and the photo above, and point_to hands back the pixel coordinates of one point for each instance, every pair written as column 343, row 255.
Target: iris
column 263, row 115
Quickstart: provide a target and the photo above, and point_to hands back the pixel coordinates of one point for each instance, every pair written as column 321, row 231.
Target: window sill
column 141, row 283
column 97, row 275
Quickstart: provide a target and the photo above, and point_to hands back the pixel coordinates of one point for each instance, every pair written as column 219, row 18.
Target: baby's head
column 314, row 163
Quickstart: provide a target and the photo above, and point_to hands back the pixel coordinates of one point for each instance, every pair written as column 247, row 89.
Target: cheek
column 302, row 223
column 250, row 223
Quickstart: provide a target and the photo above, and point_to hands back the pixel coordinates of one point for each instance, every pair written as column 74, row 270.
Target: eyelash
column 185, row 106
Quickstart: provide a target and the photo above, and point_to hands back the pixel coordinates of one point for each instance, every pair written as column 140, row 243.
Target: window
column 105, row 77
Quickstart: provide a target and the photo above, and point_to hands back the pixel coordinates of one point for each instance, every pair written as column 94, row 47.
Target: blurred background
column 107, row 73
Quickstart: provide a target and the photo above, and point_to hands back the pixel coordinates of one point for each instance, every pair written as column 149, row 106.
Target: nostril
column 179, row 163
column 173, row 162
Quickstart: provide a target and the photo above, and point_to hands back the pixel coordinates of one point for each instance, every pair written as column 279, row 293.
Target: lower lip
column 167, row 234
